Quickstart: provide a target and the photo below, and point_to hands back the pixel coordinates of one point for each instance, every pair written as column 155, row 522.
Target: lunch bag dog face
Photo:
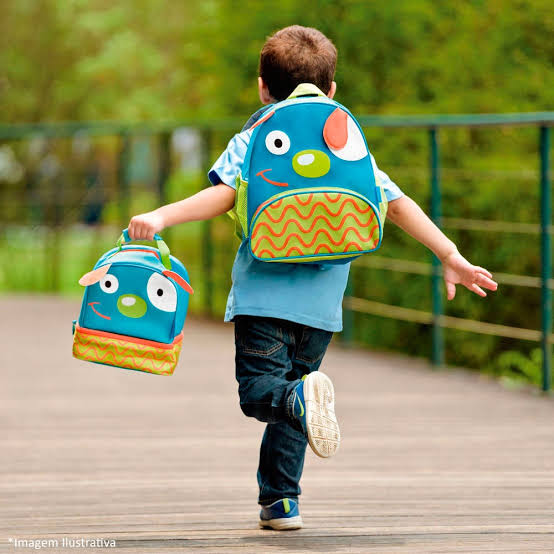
column 307, row 191
column 133, row 310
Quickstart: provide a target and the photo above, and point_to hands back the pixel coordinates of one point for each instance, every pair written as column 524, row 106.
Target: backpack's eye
column 161, row 293
column 277, row 142
column 109, row 283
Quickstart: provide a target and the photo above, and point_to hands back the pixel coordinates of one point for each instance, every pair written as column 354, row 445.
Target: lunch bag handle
column 162, row 246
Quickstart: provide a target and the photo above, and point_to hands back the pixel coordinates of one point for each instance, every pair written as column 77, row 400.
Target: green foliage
column 92, row 59
column 515, row 366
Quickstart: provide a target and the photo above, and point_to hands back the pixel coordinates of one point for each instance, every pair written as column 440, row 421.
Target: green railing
column 436, row 318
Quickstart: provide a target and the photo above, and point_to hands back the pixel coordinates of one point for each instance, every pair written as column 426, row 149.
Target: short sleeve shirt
column 310, row 294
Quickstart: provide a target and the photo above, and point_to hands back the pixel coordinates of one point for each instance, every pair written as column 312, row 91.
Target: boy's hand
column 145, row 226
column 457, row 270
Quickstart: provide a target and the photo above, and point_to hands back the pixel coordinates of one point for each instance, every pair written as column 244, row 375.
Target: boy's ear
column 263, row 91
column 332, row 90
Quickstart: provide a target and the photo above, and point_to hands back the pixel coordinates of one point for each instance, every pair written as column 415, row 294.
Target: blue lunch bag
column 134, row 308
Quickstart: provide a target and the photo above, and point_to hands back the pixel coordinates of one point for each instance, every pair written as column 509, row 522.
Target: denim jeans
column 272, row 355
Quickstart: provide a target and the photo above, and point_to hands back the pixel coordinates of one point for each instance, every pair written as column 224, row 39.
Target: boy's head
column 296, row 55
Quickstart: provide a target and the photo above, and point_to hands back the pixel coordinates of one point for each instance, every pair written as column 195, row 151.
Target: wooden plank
column 430, row 461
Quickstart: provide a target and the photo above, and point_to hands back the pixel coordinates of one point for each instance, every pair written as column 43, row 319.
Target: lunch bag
column 307, row 190
column 133, row 309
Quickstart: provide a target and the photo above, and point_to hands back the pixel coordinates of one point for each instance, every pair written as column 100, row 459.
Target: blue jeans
column 272, row 355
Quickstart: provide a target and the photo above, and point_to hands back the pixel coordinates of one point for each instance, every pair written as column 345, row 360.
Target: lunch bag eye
column 161, row 293
column 109, row 283
column 277, row 142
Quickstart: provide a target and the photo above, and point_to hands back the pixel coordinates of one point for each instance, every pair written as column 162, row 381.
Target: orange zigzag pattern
column 315, row 220
column 270, row 254
column 322, row 204
column 124, row 351
column 297, row 198
column 123, row 354
column 318, row 232
column 98, row 354
column 329, row 197
column 122, row 348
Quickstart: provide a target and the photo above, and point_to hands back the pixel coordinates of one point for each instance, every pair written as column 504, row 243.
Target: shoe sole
column 283, row 523
column 321, row 421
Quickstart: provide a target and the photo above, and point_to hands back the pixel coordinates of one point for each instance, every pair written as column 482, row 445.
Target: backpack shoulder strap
column 255, row 116
column 234, row 212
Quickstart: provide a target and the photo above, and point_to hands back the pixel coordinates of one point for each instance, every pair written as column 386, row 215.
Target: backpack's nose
column 311, row 163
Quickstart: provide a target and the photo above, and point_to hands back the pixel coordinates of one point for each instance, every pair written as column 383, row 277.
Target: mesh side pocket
column 241, row 203
column 383, row 202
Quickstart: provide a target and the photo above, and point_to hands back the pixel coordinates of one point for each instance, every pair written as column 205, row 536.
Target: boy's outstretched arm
column 205, row 204
column 405, row 213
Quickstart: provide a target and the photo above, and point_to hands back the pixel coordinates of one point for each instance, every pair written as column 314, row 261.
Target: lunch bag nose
column 311, row 163
column 131, row 305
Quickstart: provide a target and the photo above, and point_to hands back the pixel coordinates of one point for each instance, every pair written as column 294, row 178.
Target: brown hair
column 297, row 55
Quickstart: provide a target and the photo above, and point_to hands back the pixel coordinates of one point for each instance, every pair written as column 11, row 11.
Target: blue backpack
column 134, row 308
column 307, row 190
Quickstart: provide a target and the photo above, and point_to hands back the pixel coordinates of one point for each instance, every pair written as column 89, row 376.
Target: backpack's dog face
column 313, row 157
column 307, row 150
column 129, row 300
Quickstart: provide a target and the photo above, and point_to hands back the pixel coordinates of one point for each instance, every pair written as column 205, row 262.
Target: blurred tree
column 146, row 59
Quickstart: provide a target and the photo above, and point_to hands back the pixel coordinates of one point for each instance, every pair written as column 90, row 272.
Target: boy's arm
column 207, row 203
column 405, row 213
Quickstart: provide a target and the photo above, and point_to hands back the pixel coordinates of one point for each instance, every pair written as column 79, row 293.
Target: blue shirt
column 310, row 294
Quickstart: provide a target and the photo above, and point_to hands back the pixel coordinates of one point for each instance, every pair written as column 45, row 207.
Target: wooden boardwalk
column 430, row 461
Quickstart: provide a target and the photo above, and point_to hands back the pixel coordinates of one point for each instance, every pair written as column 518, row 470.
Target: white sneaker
column 314, row 407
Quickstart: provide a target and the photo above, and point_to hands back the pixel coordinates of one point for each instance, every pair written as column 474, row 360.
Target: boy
column 285, row 314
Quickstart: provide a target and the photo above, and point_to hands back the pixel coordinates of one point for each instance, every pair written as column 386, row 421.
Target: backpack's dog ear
column 94, row 276
column 335, row 131
column 343, row 137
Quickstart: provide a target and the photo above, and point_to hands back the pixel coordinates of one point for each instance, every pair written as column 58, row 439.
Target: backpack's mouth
column 276, row 183
column 312, row 223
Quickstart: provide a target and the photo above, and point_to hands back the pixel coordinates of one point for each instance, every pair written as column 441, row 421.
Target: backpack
column 133, row 309
column 307, row 190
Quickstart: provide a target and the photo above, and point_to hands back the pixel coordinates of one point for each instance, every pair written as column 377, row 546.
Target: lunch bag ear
column 179, row 280
column 94, row 276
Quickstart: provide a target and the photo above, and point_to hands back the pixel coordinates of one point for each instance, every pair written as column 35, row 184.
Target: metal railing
column 436, row 318
column 433, row 123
